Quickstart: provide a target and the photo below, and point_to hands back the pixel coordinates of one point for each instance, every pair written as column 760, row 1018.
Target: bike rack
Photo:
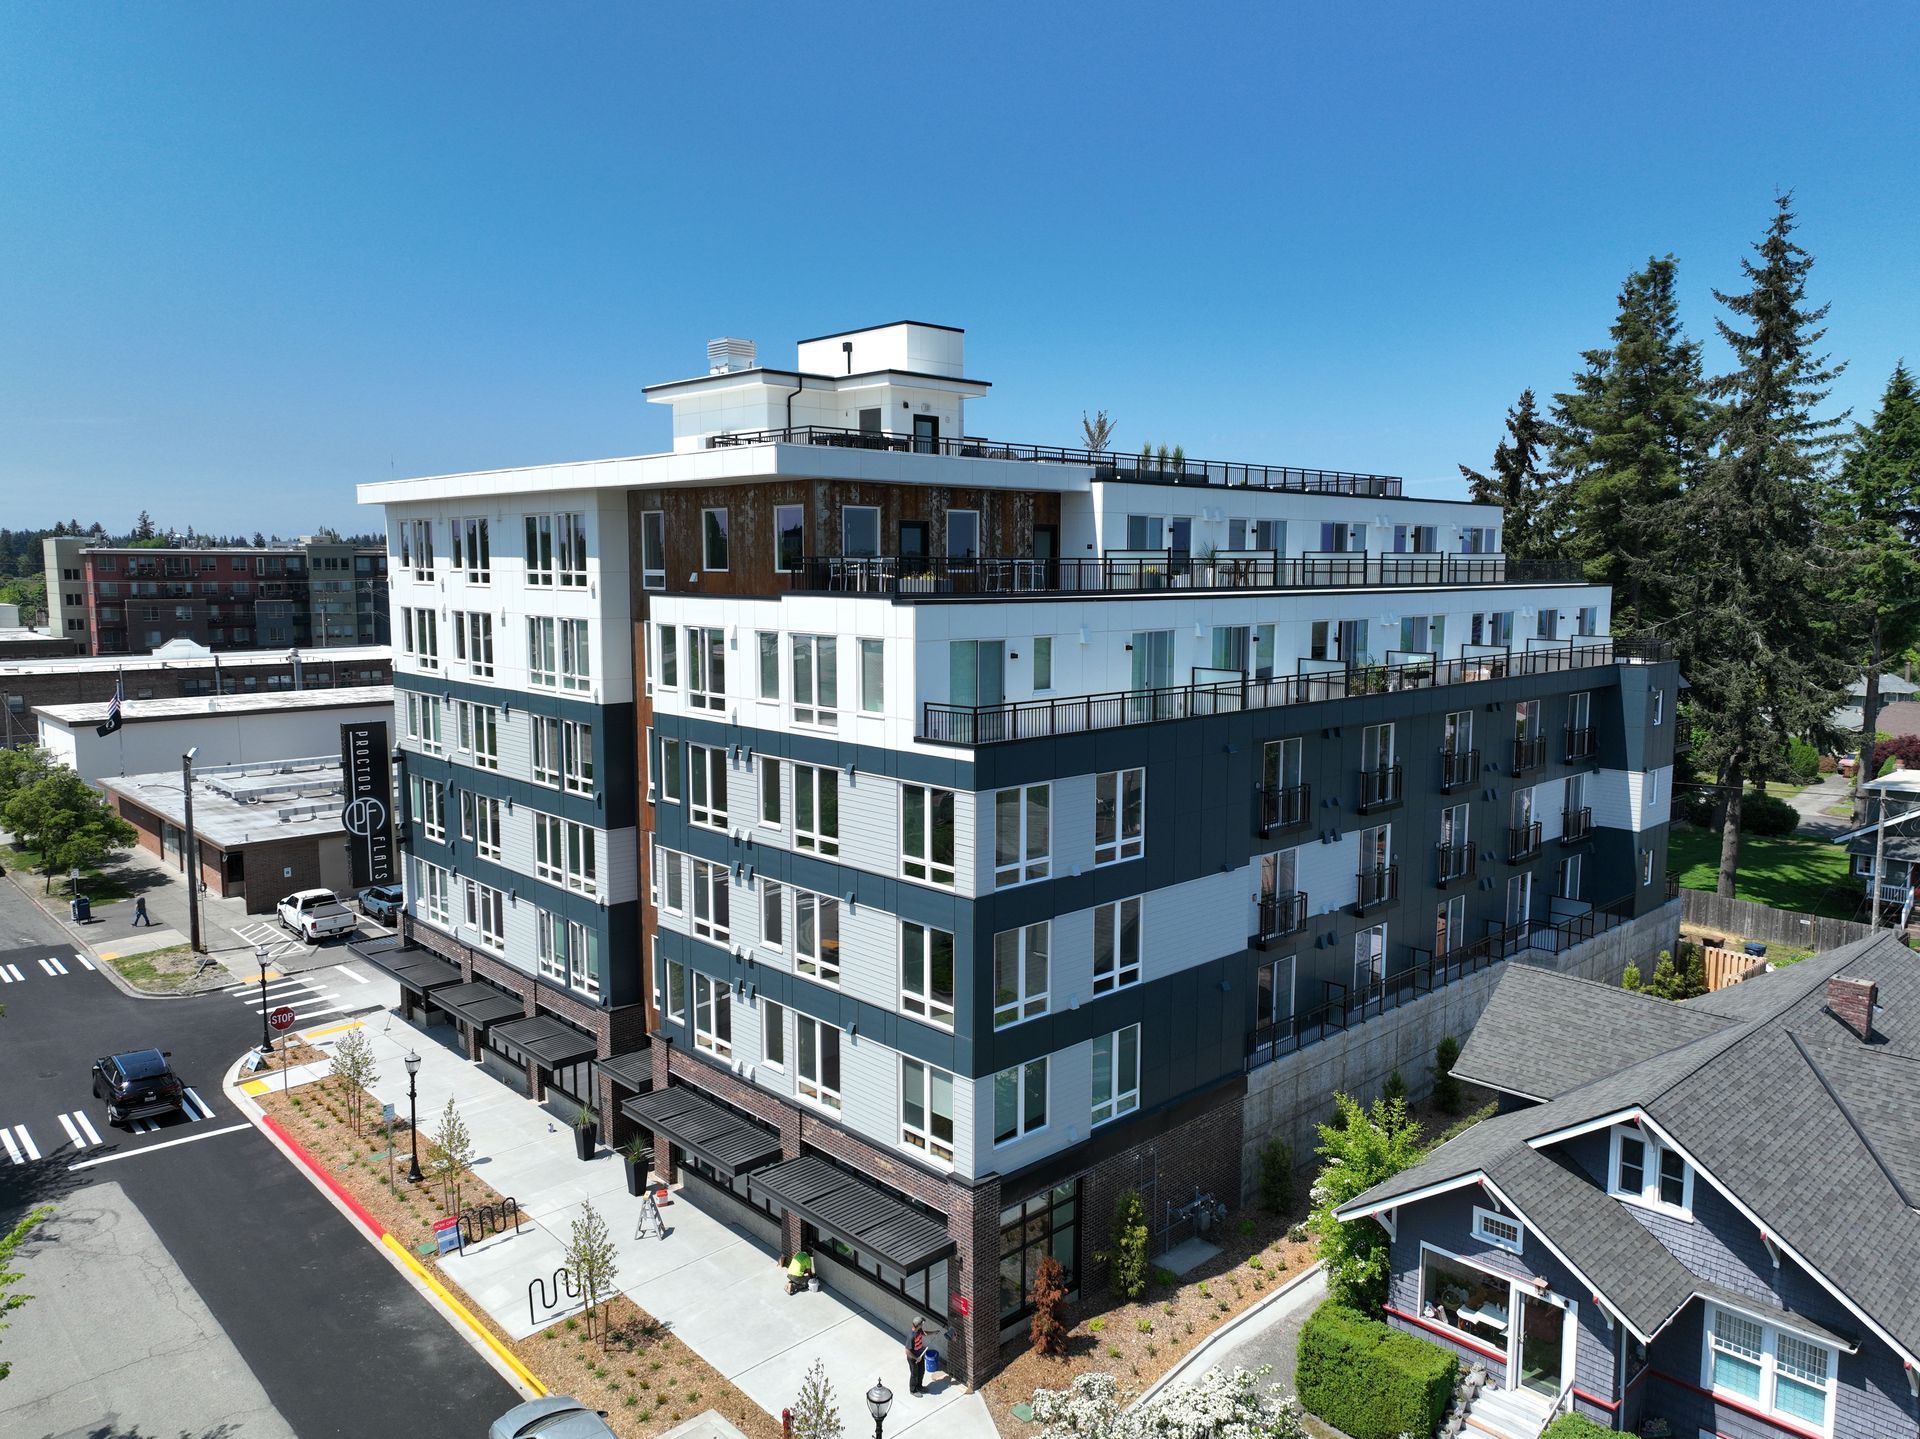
column 563, row 1283
column 479, row 1221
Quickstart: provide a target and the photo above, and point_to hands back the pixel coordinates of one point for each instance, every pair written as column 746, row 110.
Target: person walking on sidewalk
column 916, row 1357
column 140, row 915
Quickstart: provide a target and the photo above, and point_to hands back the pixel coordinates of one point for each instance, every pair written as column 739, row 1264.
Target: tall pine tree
column 1519, row 485
column 1628, row 438
column 1752, row 572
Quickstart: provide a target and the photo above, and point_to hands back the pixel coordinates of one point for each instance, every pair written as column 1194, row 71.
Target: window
column 487, row 913
column 653, row 550
column 1471, row 1302
column 473, row 550
column 1659, row 706
column 1119, row 815
column 1273, row 998
column 1769, row 1367
column 1116, row 945
column 926, row 833
column 419, row 636
column 769, row 641
column 711, row 916
column 1476, row 540
column 480, row 822
column 1494, row 628
column 543, row 658
column 1045, row 1226
column 430, row 807
column 571, row 551
column 423, row 723
column 549, row 848
column 816, row 936
column 1019, row 1101
column 769, row 791
column 475, row 639
column 977, row 672
column 540, row 549
column 1449, row 925
column 1736, row 1349
column 433, row 886
column 707, row 668
column 477, row 731
column 1116, row 1074
column 546, row 750
column 576, row 756
column 713, row 1016
column 816, row 809
column 576, row 661
column 677, row 992
column 873, row 677
column 1022, row 834
column 859, row 532
column 816, row 679
column 670, row 771
column 926, row 973
column 819, row 1061
column 1020, row 974
column 416, row 548
column 667, row 646
column 1644, row 1171
column 1646, row 866
column 550, row 942
column 1567, row 880
column 672, row 877
column 963, row 534
column 1547, row 625
column 789, row 536
column 773, row 1034
column 773, row 914
column 1415, row 539
column 926, row 1109
column 1497, row 1229
column 1586, row 620
column 713, row 539
column 707, row 789
column 1043, row 662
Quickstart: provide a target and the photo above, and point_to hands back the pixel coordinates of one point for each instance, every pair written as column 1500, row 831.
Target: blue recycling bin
column 932, row 1356
column 81, row 908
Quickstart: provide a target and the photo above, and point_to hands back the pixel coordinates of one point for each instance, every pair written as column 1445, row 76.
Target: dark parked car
column 138, row 1085
column 382, row 902
column 554, row 1417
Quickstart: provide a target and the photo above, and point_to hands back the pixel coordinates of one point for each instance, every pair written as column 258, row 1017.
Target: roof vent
column 725, row 356
column 1851, row 1002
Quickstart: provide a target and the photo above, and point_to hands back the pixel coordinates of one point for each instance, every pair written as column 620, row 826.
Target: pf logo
column 364, row 817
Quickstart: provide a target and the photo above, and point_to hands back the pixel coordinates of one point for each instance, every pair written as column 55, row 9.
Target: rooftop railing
column 1105, row 463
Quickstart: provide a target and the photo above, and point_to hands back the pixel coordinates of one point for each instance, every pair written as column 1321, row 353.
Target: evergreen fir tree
column 143, row 527
column 1519, row 485
column 1760, row 672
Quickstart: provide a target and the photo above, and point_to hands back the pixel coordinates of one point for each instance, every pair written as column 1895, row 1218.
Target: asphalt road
column 299, row 1307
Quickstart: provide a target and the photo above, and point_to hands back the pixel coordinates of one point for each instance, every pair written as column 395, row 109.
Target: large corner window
column 1472, row 1302
column 1762, row 1365
column 1641, row 1170
column 1047, row 1224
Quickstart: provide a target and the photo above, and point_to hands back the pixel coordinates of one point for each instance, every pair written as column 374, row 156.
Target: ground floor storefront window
column 577, row 1084
column 1047, row 1223
column 925, row 1289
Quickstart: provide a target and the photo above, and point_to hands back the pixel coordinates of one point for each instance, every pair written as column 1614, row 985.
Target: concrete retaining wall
column 1287, row 1098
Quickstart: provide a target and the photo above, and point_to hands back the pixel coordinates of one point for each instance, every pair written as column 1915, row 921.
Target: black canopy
column 634, row 1069
column 857, row 1211
column 727, row 1141
column 418, row 969
column 478, row 1004
column 547, row 1039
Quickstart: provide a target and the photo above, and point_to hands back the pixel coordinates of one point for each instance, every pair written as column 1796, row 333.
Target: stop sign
column 281, row 1018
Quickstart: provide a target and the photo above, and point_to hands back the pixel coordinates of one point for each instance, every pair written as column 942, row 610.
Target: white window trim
column 773, row 892
column 816, row 840
column 1022, row 1006
column 1117, row 976
column 1648, row 1196
column 708, row 768
column 1016, row 874
column 1770, row 1332
column 719, row 992
column 1121, row 849
column 1020, row 1132
column 1121, row 1103
column 1485, row 1235
column 814, row 965
column 938, row 1013
column 933, row 872
column 928, row 1148
column 814, row 1091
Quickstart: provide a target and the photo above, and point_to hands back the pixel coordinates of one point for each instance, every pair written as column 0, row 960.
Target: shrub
column 1762, row 814
column 1802, row 762
column 1576, row 1426
column 1446, row 1089
column 1127, row 1258
column 1829, row 764
column 1394, row 1088
column 1905, row 749
column 1368, row 1380
column 1361, row 1148
column 1048, row 1331
column 1276, row 1176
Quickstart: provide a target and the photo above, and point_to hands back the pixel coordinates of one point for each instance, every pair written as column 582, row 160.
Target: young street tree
column 62, row 821
column 453, row 1159
column 1519, row 485
column 815, row 1414
column 1753, row 574
column 8, row 1276
column 592, row 1261
column 353, row 1066
column 1628, row 438
column 1361, row 1148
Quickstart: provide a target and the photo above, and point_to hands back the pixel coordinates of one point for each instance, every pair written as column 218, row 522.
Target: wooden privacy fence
column 1772, row 926
column 1730, row 966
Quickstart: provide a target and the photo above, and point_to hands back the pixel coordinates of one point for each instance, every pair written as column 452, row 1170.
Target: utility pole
column 192, row 855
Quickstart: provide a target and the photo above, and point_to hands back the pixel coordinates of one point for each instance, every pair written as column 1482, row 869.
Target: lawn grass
column 1786, row 872
column 93, row 884
column 160, row 971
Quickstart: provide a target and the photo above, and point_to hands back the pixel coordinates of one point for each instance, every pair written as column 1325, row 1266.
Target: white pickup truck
column 315, row 914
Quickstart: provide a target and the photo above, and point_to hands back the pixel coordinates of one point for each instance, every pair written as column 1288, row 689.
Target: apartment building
column 1000, row 804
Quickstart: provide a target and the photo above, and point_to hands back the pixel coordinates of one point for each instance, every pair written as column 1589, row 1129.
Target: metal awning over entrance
column 634, row 1069
column 477, row 1004
column 856, row 1211
column 715, row 1133
column 542, row 1038
column 420, row 970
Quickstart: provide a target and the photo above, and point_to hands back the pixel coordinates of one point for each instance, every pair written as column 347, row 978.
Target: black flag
column 113, row 713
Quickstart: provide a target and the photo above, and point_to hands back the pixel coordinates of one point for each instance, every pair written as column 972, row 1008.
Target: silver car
column 554, row 1417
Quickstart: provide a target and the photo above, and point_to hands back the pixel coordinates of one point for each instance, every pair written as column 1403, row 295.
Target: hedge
column 1369, row 1380
column 1576, row 1426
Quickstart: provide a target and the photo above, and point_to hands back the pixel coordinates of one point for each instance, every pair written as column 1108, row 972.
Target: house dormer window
column 1641, row 1170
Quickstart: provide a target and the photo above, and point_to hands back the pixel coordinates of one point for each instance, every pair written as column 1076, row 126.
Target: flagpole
column 120, row 692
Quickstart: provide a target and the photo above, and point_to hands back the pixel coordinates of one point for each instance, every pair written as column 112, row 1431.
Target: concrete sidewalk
column 720, row 1291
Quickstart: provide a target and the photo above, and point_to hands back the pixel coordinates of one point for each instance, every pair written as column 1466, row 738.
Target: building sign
column 368, row 815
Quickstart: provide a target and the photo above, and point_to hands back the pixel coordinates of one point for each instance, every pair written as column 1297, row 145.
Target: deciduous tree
column 353, row 1065
column 591, row 1259
column 453, row 1155
column 1361, row 1148
column 65, row 822
column 8, row 1276
column 815, row 1413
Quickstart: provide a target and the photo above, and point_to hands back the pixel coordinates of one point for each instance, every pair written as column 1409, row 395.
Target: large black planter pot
column 584, row 1136
column 636, row 1174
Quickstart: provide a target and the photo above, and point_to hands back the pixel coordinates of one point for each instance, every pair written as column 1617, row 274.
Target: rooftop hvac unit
column 726, row 355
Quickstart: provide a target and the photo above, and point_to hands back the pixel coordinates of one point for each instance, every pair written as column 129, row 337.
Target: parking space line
column 13, row 1150
column 93, row 1135
column 26, row 1141
column 163, row 1144
column 84, row 963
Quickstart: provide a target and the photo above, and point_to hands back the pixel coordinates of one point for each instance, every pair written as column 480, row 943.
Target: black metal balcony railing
column 1455, row 862
column 1136, row 570
column 1458, row 767
column 1106, row 465
column 1380, row 788
column 1040, row 718
column 1529, row 753
column 1523, row 842
column 1576, row 824
column 1581, row 744
column 1282, row 914
column 1283, row 808
column 1378, row 884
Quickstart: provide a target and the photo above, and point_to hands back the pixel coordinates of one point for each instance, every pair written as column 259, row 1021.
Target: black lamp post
column 879, row 1401
column 266, row 1040
column 414, row 1176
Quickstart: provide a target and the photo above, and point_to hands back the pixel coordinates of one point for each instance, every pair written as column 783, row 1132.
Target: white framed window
column 1500, row 1230
column 1641, row 1170
column 473, row 549
column 423, row 723
column 430, row 807
column 816, row 680
column 549, row 849
column 570, row 550
column 416, row 547
column 677, row 992
column 478, row 732
column 543, row 655
column 420, row 636
column 1116, row 1074
column 713, row 1016
column 487, row 915
column 1119, row 815
column 653, row 549
column 816, row 936
column 1768, row 1367
column 476, row 639
column 539, row 529
column 434, row 886
column 1022, row 834
column 926, row 973
column 576, row 655
column 672, row 770
column 672, row 869
column 583, row 949
column 707, row 786
column 712, row 916
column 713, row 540
column 480, row 822
column 770, row 806
column 546, row 749
column 773, row 1035
column 1116, row 945
column 926, row 1110
column 773, row 914
column 768, row 643
column 550, row 943
column 816, row 809
column 1021, row 973
column 576, row 756
column 926, row 833
column 817, row 1056
column 1020, row 1101
column 583, row 871
column 707, row 668
column 666, row 646
column 873, row 677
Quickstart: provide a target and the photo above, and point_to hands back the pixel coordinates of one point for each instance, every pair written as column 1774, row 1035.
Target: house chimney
column 1851, row 1002
column 727, row 355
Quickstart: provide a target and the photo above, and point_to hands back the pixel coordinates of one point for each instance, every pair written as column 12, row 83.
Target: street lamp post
column 266, row 1040
column 190, row 852
column 879, row 1401
column 414, row 1176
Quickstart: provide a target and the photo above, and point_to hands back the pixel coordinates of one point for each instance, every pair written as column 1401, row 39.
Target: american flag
column 113, row 711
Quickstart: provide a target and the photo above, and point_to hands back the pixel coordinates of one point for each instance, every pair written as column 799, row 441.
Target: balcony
column 1378, row 884
column 1576, row 824
column 1283, row 809
column 1523, row 842
column 1458, row 768
column 1281, row 915
column 1455, row 863
column 1529, row 753
column 1380, row 788
column 1581, row 744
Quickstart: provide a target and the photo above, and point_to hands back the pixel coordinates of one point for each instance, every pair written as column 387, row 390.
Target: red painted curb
column 325, row 1178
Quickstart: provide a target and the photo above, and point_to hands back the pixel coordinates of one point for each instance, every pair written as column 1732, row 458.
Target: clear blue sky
column 253, row 254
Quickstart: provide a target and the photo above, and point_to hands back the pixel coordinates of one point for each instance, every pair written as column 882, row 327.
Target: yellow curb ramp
column 507, row 1356
column 331, row 1029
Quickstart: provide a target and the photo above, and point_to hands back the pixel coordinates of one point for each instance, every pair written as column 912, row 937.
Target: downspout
column 788, row 432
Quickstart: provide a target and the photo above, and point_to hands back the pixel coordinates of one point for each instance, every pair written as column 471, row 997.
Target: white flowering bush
column 1234, row 1405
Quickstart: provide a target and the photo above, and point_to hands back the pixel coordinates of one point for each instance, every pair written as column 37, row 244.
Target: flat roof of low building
column 241, row 804
column 188, row 706
column 197, row 659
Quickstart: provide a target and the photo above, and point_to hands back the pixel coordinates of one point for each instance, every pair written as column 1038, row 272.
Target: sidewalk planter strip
column 731, row 1144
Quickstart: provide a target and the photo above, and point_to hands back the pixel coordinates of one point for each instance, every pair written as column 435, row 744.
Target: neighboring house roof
column 1900, row 718
column 1892, row 686
column 1902, row 843
column 1814, row 1133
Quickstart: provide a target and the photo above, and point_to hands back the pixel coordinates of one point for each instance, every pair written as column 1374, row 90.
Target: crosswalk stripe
column 13, row 1151
column 54, row 960
column 305, row 996
column 46, row 966
column 198, row 1103
column 93, row 1135
column 26, row 1141
column 84, row 963
column 53, row 966
column 356, row 978
column 72, row 1133
column 11, row 974
column 5, row 978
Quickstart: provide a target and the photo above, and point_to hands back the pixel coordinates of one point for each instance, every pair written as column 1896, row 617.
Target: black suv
column 138, row 1085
